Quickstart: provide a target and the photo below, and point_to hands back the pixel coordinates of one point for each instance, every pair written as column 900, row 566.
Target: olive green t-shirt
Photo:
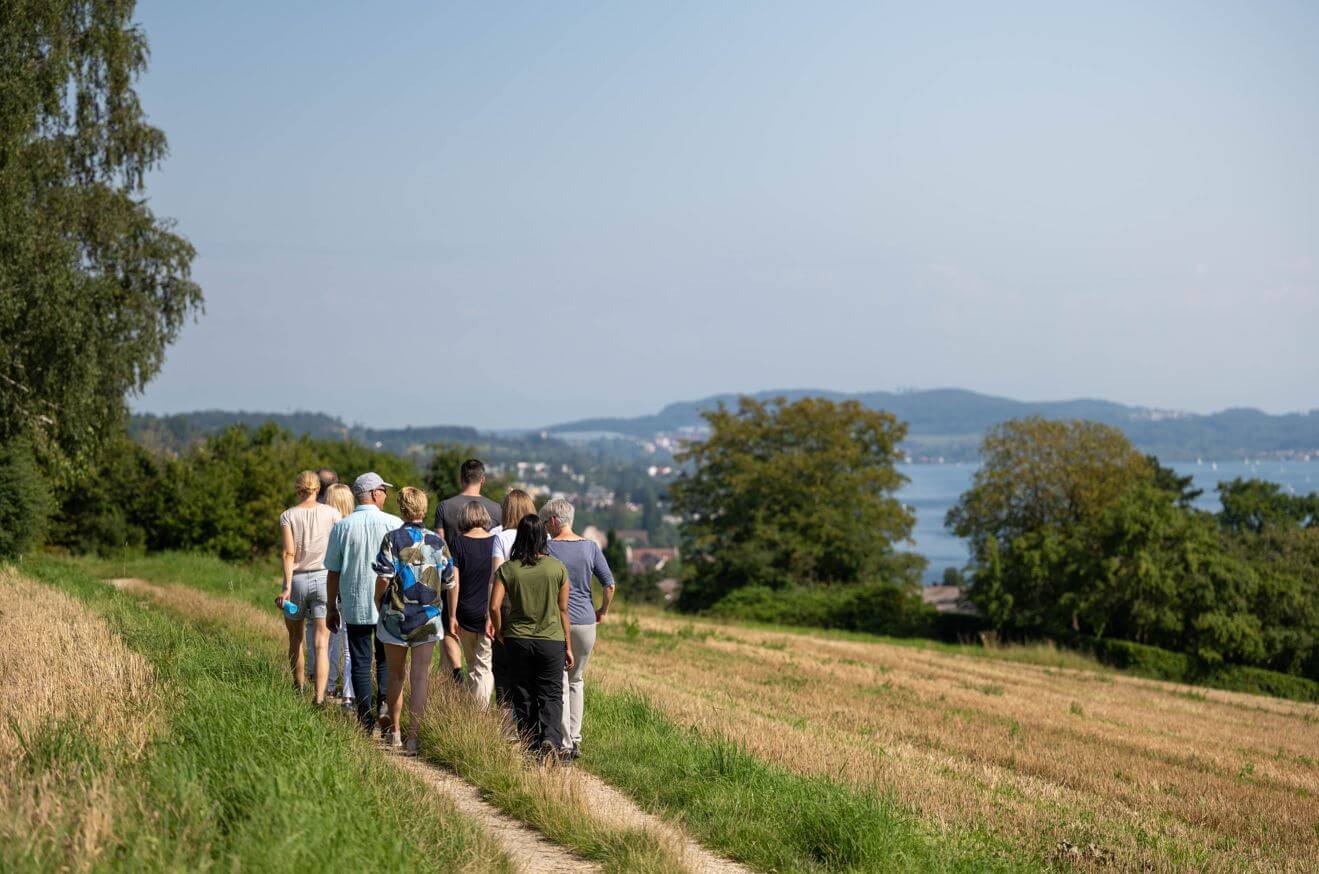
column 533, row 598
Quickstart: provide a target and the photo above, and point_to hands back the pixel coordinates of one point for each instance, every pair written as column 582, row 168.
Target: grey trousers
column 583, row 641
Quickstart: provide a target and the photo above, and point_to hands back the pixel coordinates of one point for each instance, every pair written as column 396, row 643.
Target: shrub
column 876, row 608
column 25, row 501
column 1148, row 661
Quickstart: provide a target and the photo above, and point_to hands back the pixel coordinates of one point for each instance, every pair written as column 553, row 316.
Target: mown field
column 783, row 751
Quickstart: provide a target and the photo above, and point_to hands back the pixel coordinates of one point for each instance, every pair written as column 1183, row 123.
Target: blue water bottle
column 290, row 608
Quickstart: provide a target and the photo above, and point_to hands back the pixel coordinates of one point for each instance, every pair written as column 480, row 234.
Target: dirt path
column 616, row 806
column 528, row 848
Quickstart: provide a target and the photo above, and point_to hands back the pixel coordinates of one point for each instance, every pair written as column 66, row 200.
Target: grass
column 1017, row 755
column 239, row 773
column 1025, row 752
column 764, row 815
column 454, row 734
column 476, row 745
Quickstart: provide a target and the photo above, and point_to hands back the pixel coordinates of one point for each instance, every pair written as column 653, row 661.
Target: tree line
column 792, row 516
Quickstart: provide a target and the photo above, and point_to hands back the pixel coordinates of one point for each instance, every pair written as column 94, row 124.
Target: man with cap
column 351, row 588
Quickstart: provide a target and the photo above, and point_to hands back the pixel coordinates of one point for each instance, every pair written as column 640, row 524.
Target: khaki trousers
column 480, row 676
column 583, row 641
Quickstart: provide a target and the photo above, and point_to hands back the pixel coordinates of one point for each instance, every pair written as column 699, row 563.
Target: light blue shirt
column 354, row 543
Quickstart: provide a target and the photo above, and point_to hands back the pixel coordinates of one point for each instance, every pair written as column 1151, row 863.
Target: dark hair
column 472, row 471
column 530, row 544
column 327, row 478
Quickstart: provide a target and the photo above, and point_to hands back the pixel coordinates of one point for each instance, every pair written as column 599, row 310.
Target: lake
column 935, row 487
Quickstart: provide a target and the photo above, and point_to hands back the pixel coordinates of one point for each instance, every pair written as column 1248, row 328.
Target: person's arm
column 451, row 595
column 288, row 555
column 333, row 565
column 385, row 568
column 568, row 660
column 495, row 562
column 600, row 567
column 496, row 615
column 382, row 584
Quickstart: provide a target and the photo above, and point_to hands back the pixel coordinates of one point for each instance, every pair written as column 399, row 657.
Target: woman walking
column 416, row 591
column 305, row 531
column 534, row 632
column 473, row 554
column 584, row 560
column 516, row 505
column 340, row 497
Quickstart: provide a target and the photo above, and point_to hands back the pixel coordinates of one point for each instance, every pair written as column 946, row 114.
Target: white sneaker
column 396, row 740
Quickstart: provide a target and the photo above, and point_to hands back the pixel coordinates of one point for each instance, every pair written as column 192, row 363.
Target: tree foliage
column 25, row 501
column 224, row 496
column 792, row 493
column 1075, row 535
column 93, row 286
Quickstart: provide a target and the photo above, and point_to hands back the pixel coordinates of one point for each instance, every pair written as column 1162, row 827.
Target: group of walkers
column 501, row 588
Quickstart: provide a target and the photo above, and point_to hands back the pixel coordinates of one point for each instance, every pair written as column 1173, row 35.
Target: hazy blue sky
column 505, row 214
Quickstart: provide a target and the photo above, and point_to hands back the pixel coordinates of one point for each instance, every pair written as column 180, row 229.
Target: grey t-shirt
column 447, row 513
column 584, row 559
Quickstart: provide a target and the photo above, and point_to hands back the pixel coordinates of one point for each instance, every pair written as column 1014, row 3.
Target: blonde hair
column 412, row 503
column 340, row 497
column 517, row 504
column 473, row 515
column 306, row 483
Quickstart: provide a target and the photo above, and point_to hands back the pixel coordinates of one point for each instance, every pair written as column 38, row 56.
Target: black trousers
column 499, row 667
column 362, row 645
column 535, row 671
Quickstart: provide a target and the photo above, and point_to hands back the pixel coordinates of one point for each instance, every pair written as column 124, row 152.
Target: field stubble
column 1151, row 774
column 77, row 703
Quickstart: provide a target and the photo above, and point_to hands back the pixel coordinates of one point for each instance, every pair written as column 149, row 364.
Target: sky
column 516, row 214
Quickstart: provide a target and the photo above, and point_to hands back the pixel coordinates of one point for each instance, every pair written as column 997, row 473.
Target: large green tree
column 792, row 493
column 93, row 285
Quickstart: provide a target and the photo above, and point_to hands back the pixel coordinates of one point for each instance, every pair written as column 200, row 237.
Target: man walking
column 351, row 585
column 448, row 515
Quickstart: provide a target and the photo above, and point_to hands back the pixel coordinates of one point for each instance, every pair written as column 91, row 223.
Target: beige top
column 311, row 533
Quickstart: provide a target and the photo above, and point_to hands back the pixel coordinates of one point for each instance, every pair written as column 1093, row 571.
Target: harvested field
column 77, row 703
column 1134, row 772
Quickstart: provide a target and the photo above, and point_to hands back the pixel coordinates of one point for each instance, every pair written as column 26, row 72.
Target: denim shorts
column 308, row 592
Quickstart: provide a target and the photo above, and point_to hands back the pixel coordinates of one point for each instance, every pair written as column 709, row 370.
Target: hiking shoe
column 576, row 752
column 411, row 747
column 396, row 741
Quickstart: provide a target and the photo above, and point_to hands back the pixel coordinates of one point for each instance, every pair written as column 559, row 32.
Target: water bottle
column 290, row 608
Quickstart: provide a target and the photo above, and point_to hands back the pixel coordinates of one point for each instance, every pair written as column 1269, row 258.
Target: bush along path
column 572, row 809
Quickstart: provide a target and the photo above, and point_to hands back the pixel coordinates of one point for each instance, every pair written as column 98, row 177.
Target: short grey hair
column 559, row 510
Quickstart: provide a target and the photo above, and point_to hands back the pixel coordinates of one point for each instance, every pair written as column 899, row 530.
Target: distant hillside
column 176, row 432
column 949, row 422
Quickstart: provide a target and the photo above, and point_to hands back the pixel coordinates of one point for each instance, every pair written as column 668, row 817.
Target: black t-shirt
column 473, row 556
column 447, row 513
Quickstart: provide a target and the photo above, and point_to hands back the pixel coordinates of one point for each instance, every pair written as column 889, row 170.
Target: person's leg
column 499, row 669
column 296, row 663
column 321, row 640
column 361, row 643
column 395, row 656
column 419, row 673
column 347, row 670
column 548, row 684
column 334, row 649
column 480, row 671
column 515, row 654
column 583, row 641
column 310, row 660
column 382, row 677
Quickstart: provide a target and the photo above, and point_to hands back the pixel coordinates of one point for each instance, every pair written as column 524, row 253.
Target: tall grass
column 473, row 743
column 243, row 774
column 761, row 814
